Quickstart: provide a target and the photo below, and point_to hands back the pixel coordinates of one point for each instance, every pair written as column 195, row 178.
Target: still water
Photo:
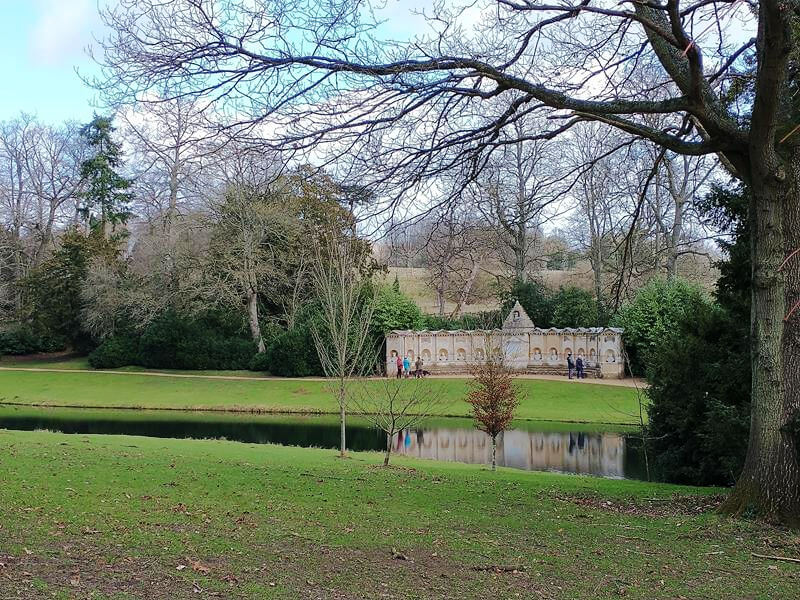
column 558, row 447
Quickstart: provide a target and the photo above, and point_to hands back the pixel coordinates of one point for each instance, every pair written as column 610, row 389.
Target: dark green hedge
column 290, row 354
column 23, row 339
column 209, row 341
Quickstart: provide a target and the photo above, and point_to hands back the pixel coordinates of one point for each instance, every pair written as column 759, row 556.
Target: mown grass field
column 542, row 400
column 129, row 517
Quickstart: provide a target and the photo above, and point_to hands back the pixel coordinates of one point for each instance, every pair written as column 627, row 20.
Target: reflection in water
column 604, row 454
column 586, row 453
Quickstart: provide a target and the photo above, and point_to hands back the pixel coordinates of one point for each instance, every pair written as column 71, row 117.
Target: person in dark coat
column 579, row 368
column 570, row 365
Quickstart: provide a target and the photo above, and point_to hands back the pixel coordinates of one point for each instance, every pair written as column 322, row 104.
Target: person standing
column 570, row 365
column 406, row 366
column 418, row 367
column 579, row 368
column 399, row 367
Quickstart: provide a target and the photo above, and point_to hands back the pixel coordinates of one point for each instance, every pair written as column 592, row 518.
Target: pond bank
column 532, row 446
column 542, row 399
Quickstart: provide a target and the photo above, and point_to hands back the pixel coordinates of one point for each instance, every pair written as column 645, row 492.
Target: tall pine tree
column 106, row 196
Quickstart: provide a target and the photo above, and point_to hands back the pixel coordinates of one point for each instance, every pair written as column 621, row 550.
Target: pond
column 606, row 451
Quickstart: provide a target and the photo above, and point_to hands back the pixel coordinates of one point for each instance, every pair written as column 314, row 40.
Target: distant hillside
column 413, row 282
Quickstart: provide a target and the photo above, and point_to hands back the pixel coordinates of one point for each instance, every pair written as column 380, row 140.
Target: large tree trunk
column 769, row 484
column 789, row 448
column 770, row 481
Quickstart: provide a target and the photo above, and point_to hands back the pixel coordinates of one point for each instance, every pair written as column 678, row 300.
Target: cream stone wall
column 524, row 347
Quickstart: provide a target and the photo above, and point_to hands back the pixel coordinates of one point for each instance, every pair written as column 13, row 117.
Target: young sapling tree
column 494, row 397
column 396, row 404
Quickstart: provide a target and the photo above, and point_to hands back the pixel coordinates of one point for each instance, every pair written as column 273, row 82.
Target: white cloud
column 62, row 30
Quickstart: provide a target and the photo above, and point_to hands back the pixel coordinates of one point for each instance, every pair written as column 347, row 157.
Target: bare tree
column 251, row 229
column 456, row 250
column 171, row 143
column 40, row 183
column 522, row 180
column 393, row 405
column 685, row 177
column 347, row 299
column 597, row 223
column 413, row 111
column 53, row 168
column 15, row 144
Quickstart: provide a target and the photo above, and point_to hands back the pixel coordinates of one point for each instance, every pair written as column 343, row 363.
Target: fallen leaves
column 198, row 567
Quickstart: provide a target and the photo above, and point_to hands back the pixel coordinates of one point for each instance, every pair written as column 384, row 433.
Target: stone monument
column 524, row 347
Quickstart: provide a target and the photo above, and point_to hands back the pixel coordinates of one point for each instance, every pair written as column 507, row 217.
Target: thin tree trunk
column 519, row 255
column 462, row 297
column 494, row 453
column 388, row 450
column 675, row 238
column 255, row 326
column 440, row 300
column 342, row 418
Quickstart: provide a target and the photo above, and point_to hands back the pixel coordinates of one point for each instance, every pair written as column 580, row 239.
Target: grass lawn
column 544, row 400
column 129, row 517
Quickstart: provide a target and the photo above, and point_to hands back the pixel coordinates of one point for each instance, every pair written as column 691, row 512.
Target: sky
column 42, row 42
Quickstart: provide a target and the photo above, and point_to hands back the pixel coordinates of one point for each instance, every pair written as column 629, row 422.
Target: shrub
column 699, row 414
column 394, row 310
column 210, row 341
column 116, row 351
column 657, row 310
column 574, row 307
column 260, row 362
column 23, row 339
column 291, row 354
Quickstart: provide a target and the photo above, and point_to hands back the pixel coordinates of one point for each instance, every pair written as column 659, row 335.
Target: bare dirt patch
column 650, row 507
column 78, row 569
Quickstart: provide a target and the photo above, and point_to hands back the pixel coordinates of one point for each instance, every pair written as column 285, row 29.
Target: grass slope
column 544, row 400
column 125, row 517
